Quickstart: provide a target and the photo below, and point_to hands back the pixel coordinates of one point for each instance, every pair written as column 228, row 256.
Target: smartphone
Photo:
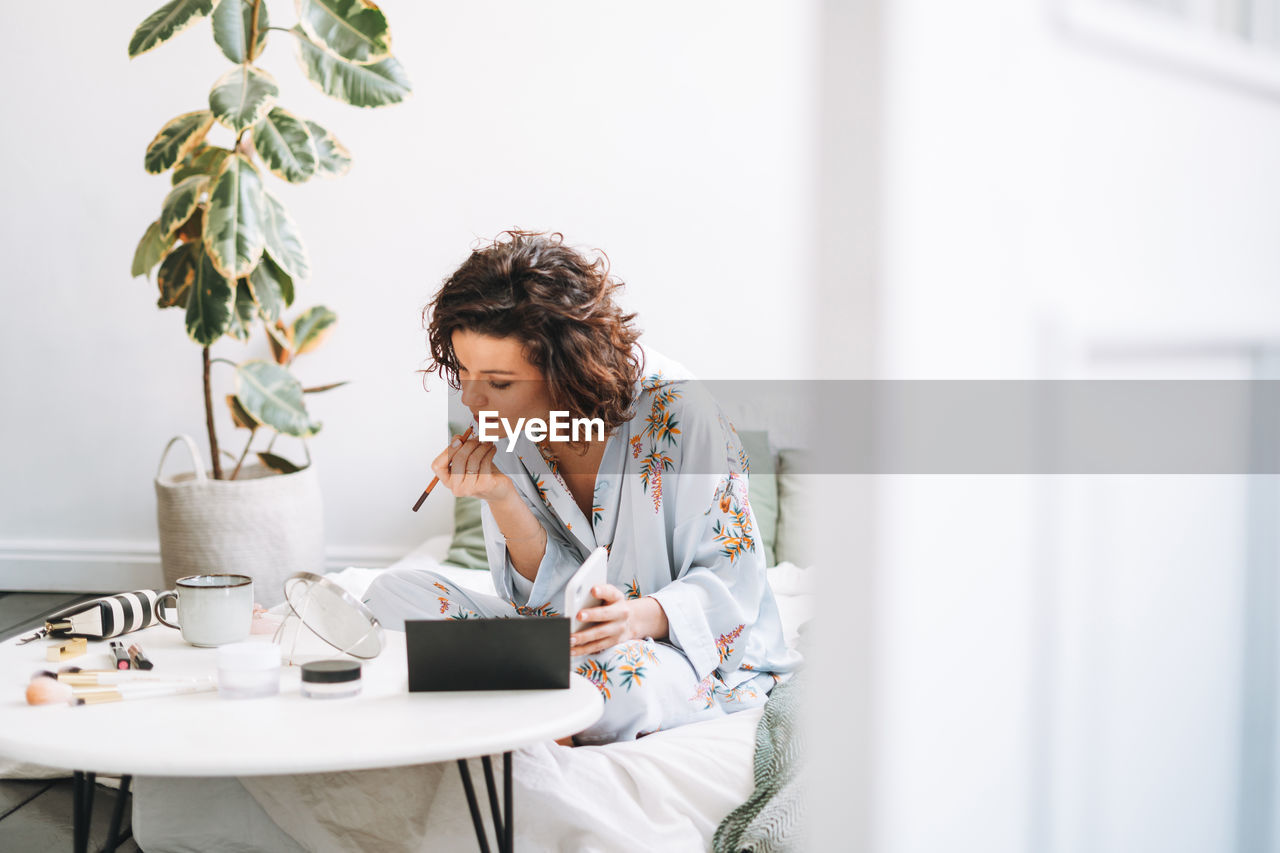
column 594, row 571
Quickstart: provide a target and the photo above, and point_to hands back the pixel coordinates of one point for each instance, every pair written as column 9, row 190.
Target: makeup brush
column 76, row 675
column 111, row 676
column 121, row 692
column 434, row 480
column 47, row 691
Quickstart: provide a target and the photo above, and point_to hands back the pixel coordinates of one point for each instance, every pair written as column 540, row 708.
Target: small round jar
column 248, row 670
column 330, row 679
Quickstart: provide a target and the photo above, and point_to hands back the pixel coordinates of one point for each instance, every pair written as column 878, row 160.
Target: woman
column 689, row 628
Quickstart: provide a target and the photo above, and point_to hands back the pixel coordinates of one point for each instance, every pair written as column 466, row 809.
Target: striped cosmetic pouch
column 106, row 617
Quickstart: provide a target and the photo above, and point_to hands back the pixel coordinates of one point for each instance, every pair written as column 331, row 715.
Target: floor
column 35, row 815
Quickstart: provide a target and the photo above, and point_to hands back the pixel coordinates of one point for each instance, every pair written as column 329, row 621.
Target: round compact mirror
column 334, row 615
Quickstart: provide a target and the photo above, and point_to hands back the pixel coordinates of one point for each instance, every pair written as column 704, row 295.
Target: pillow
column 796, row 507
column 762, row 487
column 467, row 546
column 466, row 549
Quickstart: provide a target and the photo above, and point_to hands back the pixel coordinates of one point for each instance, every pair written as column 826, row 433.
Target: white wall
column 678, row 137
column 1040, row 188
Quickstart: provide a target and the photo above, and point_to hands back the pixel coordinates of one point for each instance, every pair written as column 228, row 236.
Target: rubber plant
column 228, row 252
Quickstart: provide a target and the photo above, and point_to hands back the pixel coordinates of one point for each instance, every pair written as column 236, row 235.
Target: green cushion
column 467, row 548
column 797, row 508
column 762, row 487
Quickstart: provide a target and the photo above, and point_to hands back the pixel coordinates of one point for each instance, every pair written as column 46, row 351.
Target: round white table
column 206, row 735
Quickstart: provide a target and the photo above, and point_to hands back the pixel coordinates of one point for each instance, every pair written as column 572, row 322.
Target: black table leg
column 90, row 785
column 82, row 788
column 117, row 815
column 465, row 772
column 80, row 825
column 506, row 802
column 493, row 803
column 504, row 818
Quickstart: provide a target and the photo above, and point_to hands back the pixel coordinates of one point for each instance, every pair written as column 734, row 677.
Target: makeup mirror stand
column 297, row 614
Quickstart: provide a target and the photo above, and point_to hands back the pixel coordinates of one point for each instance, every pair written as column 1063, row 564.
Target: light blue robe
column 671, row 506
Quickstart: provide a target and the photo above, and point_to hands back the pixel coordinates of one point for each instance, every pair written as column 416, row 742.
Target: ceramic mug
column 212, row 609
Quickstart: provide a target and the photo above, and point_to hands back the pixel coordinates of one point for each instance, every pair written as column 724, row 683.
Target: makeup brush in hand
column 436, row 480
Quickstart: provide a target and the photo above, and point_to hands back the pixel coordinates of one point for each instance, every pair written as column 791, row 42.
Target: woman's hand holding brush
column 466, row 468
column 436, row 479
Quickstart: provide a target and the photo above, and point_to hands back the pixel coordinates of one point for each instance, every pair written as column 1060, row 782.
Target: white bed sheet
column 667, row 791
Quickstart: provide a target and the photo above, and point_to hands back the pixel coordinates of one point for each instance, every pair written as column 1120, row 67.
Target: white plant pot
column 263, row 524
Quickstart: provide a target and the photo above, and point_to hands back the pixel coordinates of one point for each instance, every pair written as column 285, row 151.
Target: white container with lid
column 248, row 670
column 330, row 679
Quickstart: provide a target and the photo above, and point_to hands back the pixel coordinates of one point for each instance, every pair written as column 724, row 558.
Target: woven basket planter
column 263, row 524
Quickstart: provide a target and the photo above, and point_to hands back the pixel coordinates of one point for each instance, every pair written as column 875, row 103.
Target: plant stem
column 253, row 31
column 208, row 417
column 251, row 52
column 245, row 452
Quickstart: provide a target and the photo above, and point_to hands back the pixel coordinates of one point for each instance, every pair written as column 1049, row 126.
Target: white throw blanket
column 668, row 791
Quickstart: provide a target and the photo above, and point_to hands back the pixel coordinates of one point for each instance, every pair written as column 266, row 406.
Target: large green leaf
column 181, row 202
column 232, row 23
column 284, row 242
column 311, row 328
column 205, row 160
column 354, row 30
column 270, row 394
column 166, row 22
column 233, row 224
column 269, row 284
column 210, row 303
column 176, row 139
column 242, row 96
column 373, row 85
column 284, row 143
column 177, row 275
column 242, row 311
column 333, row 158
column 151, row 249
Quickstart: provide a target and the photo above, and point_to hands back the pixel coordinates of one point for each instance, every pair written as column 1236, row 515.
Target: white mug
column 212, row 609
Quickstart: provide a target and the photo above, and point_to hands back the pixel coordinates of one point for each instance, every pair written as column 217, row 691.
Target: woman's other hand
column 617, row 620
column 467, row 470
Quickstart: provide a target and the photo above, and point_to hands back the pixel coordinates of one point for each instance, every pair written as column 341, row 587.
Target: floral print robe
column 671, row 507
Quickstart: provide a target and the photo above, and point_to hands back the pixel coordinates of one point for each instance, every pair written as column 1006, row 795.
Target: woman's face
column 496, row 377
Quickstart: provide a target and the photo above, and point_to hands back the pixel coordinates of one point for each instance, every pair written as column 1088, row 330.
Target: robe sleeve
column 716, row 551
column 559, row 561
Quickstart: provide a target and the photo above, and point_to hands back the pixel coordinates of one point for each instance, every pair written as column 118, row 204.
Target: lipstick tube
column 140, row 661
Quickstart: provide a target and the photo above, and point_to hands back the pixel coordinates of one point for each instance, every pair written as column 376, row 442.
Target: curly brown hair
column 559, row 304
